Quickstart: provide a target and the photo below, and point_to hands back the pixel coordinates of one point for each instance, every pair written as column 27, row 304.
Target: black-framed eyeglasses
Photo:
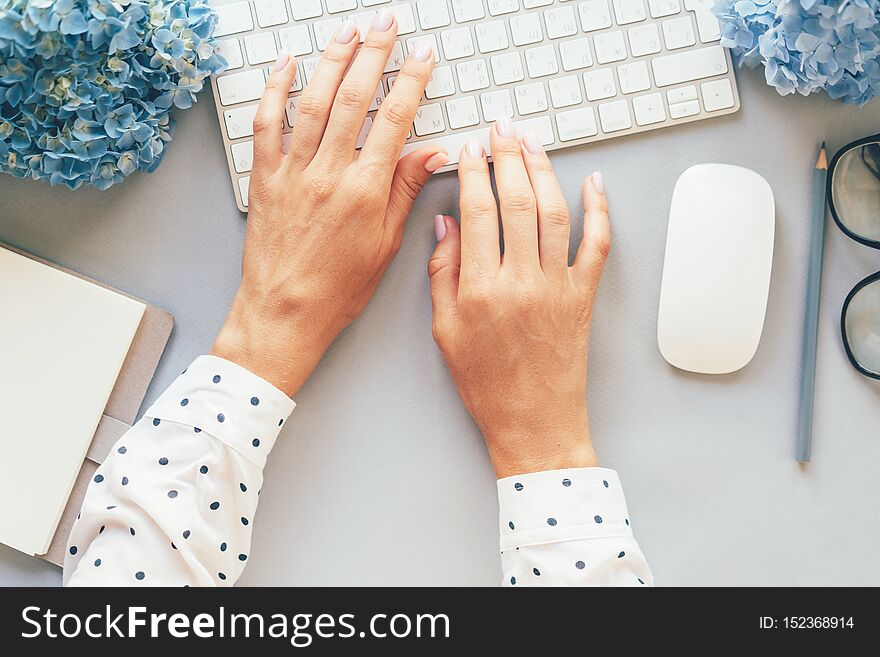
column 853, row 195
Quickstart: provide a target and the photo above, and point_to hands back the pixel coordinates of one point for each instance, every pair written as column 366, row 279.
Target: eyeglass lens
column 862, row 327
column 855, row 190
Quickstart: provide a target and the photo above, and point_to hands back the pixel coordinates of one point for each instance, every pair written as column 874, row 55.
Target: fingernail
column 598, row 182
column 346, row 32
column 383, row 21
column 504, row 128
column 474, row 149
column 281, row 62
column 440, row 227
column 532, row 143
column 436, row 161
column 423, row 51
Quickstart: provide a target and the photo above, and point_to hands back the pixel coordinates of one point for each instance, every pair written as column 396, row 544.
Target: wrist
column 277, row 344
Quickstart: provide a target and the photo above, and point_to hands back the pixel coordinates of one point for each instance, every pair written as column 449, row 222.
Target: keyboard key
column 290, row 109
column 230, row 50
column 431, row 39
column 681, row 94
column 614, row 116
column 496, row 104
column 707, row 22
column 507, row 68
column 561, row 22
column 378, row 98
column 296, row 40
column 462, row 112
column 540, row 126
column 303, row 9
column 433, row 14
column 233, row 18
column 644, row 39
column 649, row 109
column 406, row 21
column 241, row 87
column 309, row 66
column 565, row 92
column 429, row 120
column 260, row 48
column 395, row 59
column 531, row 98
column 576, row 124
column 717, row 95
column 610, row 47
column 682, row 110
column 633, row 77
column 242, row 156
column 499, row 7
column 240, row 121
column 492, row 36
column 364, row 21
column 364, row 133
column 689, row 65
column 467, row 10
column 661, row 8
column 442, row 83
column 599, row 84
column 541, row 61
column 371, row 3
column 595, row 15
column 243, row 184
column 526, row 29
column 325, row 30
column 472, row 75
column 575, row 54
column 629, row 11
column 336, row 6
column 457, row 43
column 296, row 85
column 531, row 4
column 679, row 33
column 270, row 12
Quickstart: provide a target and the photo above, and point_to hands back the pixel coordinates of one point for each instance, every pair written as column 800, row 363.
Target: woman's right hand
column 514, row 329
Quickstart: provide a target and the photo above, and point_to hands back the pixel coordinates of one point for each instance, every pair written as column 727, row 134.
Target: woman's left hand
column 325, row 221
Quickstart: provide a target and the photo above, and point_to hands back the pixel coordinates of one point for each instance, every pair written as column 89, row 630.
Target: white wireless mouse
column 716, row 275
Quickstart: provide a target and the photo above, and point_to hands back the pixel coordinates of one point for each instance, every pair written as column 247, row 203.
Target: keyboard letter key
column 689, row 65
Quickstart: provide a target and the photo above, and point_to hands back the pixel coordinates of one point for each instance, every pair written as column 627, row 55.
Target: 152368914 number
column 818, row 622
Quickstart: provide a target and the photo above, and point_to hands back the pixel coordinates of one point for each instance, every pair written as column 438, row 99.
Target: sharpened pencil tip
column 822, row 161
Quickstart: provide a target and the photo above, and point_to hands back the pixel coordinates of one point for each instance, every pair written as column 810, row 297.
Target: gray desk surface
column 381, row 478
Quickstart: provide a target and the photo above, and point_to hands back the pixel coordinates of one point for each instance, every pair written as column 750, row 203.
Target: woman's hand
column 325, row 222
column 514, row 329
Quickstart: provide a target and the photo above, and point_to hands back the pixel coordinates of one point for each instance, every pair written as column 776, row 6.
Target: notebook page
column 62, row 344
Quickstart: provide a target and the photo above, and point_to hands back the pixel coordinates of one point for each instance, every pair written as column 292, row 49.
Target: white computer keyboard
column 570, row 71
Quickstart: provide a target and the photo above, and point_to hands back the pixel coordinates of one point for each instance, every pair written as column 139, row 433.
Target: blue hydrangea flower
column 87, row 87
column 808, row 45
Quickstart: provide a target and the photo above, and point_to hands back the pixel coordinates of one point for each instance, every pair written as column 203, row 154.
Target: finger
column 358, row 89
column 313, row 110
column 395, row 117
column 596, row 243
column 443, row 271
column 480, row 249
column 553, row 216
column 410, row 175
column 269, row 118
column 519, row 214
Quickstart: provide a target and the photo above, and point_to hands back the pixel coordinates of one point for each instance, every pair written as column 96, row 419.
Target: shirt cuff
column 561, row 505
column 228, row 402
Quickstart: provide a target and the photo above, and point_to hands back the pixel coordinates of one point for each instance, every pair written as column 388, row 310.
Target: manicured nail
column 532, row 143
column 474, row 149
column 383, row 21
column 504, row 128
column 440, row 227
column 281, row 62
column 423, row 51
column 436, row 161
column 598, row 182
column 346, row 32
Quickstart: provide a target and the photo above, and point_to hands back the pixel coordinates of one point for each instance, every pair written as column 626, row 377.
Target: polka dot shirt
column 173, row 503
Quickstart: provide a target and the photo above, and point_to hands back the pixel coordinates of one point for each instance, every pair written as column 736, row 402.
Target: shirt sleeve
column 174, row 502
column 568, row 528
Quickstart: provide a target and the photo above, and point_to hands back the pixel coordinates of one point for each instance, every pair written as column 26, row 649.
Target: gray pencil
column 811, row 318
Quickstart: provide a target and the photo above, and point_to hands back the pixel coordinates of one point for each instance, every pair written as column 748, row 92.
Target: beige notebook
column 63, row 341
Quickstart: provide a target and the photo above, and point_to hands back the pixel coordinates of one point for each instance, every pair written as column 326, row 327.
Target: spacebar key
column 453, row 143
column 690, row 65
